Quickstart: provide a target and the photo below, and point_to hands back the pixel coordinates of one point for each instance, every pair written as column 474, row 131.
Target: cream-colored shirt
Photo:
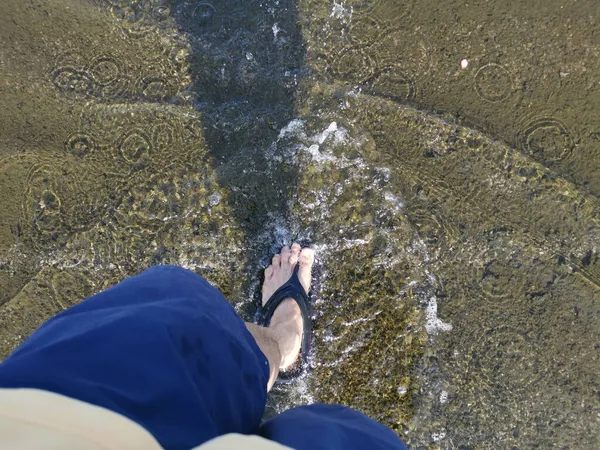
column 36, row 419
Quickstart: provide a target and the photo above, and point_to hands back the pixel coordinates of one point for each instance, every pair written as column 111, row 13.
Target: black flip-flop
column 292, row 289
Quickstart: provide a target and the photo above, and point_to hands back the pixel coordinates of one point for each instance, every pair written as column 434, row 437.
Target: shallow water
column 455, row 211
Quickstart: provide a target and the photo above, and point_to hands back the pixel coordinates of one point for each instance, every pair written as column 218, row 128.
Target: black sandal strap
column 291, row 289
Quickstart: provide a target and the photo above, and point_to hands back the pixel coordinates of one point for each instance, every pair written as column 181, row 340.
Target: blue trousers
column 166, row 350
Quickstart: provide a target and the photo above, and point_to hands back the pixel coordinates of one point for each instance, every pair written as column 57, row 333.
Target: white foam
column 340, row 12
column 434, row 324
column 340, row 136
column 215, row 199
column 325, row 134
column 316, row 145
column 294, row 128
column 314, row 151
column 443, row 396
column 351, row 243
column 395, row 201
column 361, row 320
column 438, row 436
column 320, row 157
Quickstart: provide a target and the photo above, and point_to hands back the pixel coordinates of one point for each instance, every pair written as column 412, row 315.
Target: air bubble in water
column 214, row 199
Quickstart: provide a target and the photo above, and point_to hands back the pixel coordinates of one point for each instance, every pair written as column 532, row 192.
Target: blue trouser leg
column 329, row 427
column 165, row 349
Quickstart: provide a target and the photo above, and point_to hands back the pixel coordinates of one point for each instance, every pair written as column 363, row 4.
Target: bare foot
column 286, row 322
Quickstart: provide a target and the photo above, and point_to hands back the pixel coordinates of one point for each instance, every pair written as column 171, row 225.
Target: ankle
column 268, row 342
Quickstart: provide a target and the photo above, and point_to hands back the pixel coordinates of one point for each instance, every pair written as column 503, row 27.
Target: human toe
column 295, row 253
